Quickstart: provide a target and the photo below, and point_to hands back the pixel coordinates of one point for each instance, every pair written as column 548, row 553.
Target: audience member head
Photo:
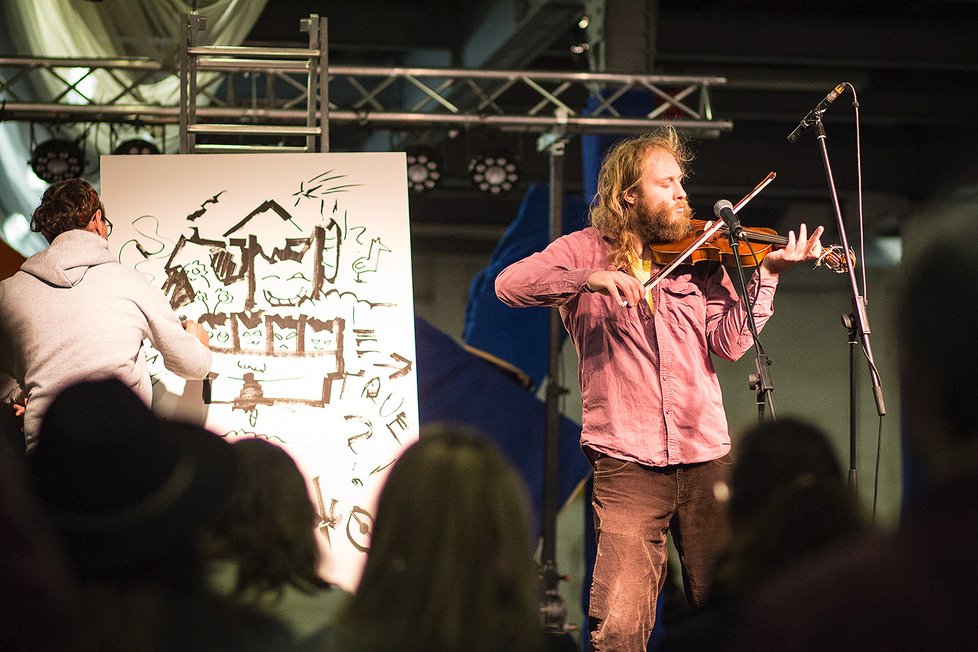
column 66, row 205
column 937, row 313
column 38, row 592
column 267, row 530
column 126, row 490
column 450, row 565
column 778, row 457
column 788, row 497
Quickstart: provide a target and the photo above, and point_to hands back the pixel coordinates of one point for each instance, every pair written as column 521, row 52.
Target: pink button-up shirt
column 649, row 390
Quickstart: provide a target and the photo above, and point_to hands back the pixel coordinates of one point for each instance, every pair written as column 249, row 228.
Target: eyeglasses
column 105, row 220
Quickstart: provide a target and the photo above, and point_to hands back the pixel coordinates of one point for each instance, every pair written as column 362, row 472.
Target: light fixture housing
column 423, row 169
column 494, row 173
column 136, row 146
column 57, row 160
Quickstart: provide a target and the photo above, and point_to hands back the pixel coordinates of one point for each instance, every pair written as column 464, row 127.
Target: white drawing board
column 299, row 267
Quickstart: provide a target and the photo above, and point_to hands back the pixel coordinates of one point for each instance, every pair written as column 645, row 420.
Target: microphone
column 806, row 122
column 723, row 209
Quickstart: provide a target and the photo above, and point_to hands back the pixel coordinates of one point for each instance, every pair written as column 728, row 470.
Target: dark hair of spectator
column 936, row 318
column 268, row 528
column 788, row 498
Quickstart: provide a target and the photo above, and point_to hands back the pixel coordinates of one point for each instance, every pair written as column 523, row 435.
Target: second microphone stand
column 858, row 322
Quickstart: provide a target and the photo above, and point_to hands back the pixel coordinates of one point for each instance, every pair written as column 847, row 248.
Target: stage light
column 56, row 160
column 137, row 146
column 494, row 173
column 423, row 168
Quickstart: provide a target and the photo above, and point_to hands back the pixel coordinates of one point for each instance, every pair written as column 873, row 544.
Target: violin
column 760, row 241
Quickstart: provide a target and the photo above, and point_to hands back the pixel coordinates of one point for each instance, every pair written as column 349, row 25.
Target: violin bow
column 753, row 193
column 707, row 234
column 681, row 258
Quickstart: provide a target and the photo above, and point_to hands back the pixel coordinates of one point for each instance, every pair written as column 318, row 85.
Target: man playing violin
column 654, row 427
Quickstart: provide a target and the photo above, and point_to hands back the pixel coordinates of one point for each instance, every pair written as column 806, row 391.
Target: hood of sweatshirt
column 65, row 262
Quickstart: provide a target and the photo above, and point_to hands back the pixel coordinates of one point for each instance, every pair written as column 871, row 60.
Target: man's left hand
column 797, row 250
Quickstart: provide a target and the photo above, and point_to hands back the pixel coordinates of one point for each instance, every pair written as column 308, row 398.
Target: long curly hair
column 621, row 172
column 65, row 205
column 450, row 565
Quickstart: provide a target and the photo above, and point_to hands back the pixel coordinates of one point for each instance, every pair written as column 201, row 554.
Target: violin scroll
column 834, row 257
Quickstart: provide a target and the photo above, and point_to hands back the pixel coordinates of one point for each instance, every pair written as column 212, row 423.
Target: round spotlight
column 57, row 160
column 423, row 169
column 136, row 146
column 494, row 173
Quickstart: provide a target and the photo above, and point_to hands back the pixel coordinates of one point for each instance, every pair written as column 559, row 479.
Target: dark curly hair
column 65, row 205
column 268, row 529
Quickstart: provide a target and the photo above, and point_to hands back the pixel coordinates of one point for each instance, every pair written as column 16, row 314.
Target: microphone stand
column 850, row 324
column 760, row 381
column 553, row 611
column 859, row 319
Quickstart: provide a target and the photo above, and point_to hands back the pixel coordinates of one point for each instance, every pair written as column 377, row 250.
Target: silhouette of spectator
column 263, row 548
column 37, row 587
column 128, row 493
column 450, row 565
column 916, row 588
column 788, row 498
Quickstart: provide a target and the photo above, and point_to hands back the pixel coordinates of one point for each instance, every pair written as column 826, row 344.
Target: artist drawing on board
column 286, row 291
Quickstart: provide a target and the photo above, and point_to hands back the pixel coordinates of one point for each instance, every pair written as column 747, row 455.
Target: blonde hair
column 621, row 172
column 450, row 565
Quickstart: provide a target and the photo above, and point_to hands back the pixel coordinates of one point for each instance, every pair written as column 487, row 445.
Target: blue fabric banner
column 456, row 385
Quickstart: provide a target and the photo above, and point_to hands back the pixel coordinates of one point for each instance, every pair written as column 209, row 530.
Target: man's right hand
column 20, row 403
column 625, row 290
column 198, row 331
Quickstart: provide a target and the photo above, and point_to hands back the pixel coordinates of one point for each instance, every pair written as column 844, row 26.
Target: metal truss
column 259, row 95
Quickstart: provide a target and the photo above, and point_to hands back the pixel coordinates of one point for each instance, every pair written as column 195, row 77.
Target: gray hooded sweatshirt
column 74, row 313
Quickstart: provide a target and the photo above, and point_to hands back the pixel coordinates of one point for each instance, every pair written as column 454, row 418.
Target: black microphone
column 806, row 122
column 723, row 209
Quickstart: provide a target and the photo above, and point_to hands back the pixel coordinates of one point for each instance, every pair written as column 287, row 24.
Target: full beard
column 663, row 223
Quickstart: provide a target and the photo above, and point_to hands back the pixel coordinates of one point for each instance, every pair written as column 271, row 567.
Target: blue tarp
column 456, row 385
column 518, row 335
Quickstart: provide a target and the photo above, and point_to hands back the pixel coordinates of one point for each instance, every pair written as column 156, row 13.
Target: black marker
column 205, row 393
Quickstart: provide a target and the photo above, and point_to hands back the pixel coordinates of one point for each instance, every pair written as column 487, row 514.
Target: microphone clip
column 815, row 115
column 735, row 231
